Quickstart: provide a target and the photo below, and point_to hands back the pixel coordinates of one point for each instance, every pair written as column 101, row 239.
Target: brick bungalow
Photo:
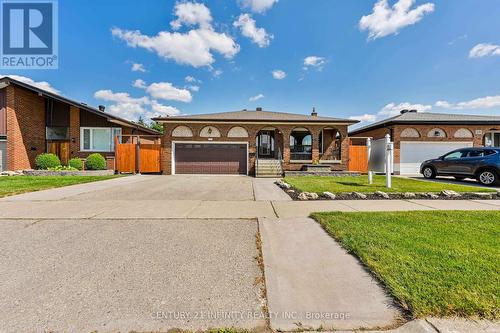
column 35, row 121
column 419, row 136
column 252, row 142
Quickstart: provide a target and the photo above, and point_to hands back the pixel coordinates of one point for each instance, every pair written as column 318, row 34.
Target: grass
column 21, row 184
column 321, row 184
column 435, row 263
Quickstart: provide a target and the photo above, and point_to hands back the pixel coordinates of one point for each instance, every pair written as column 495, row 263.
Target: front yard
column 22, row 184
column 435, row 263
column 320, row 184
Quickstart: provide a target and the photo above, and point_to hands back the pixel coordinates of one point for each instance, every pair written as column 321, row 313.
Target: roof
column 429, row 118
column 8, row 80
column 256, row 116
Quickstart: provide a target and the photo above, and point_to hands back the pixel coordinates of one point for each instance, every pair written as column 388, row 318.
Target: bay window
column 99, row 139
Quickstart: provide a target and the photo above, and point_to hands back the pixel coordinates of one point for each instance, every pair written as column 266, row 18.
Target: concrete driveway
column 123, row 275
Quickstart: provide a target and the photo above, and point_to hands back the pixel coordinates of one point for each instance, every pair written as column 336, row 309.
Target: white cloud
column 138, row 68
column 278, row 74
column 44, row 85
column 132, row 108
column 191, row 79
column 365, row 118
column 256, row 98
column 217, row 73
column 190, row 14
column 484, row 50
column 314, row 61
column 195, row 47
column 248, row 29
column 194, row 88
column 166, row 91
column 258, row 6
column 487, row 102
column 387, row 20
column 139, row 84
column 393, row 109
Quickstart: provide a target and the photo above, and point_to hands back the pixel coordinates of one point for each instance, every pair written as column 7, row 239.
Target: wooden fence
column 134, row 156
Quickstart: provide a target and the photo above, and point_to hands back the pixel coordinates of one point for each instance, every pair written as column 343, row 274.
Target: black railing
column 301, row 153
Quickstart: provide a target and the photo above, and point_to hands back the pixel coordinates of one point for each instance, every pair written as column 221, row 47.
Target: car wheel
column 487, row 177
column 459, row 178
column 429, row 172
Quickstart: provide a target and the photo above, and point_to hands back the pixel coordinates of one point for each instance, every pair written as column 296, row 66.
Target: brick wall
column 282, row 138
column 25, row 127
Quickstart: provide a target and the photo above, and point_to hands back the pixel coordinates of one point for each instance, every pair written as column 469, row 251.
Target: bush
column 95, row 162
column 45, row 161
column 76, row 163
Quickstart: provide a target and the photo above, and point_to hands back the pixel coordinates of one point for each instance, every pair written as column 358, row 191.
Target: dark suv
column 482, row 163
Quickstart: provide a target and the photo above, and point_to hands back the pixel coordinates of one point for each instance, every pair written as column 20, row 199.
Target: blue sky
column 366, row 59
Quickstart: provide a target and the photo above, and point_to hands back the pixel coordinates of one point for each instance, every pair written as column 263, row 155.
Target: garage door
column 210, row 158
column 3, row 156
column 412, row 154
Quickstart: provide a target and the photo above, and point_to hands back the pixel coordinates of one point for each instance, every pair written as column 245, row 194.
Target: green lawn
column 22, row 184
column 435, row 263
column 321, row 184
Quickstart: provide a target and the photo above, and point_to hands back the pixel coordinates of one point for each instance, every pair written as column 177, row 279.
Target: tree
column 156, row 126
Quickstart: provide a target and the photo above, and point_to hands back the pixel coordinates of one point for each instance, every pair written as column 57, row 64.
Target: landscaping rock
column 431, row 195
column 303, row 196
column 10, row 173
column 329, row 195
column 290, row 191
column 483, row 195
column 382, row 194
column 409, row 195
column 312, row 196
column 450, row 194
column 358, row 195
column 282, row 184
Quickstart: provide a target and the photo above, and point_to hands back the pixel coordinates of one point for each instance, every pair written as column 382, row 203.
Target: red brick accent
column 25, row 127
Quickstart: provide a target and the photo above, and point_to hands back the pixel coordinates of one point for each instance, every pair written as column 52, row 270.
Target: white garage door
column 3, row 156
column 412, row 154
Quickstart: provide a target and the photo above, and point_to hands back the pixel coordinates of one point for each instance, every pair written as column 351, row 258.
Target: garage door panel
column 412, row 154
column 210, row 158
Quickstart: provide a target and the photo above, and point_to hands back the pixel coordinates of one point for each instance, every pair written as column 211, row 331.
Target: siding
column 3, row 113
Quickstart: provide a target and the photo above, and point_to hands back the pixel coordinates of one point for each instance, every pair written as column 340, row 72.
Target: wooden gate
column 358, row 158
column 137, row 157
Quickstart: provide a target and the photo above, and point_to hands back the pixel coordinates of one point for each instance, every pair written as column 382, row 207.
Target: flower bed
column 68, row 172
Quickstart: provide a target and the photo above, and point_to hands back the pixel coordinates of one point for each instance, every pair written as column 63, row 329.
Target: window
column 492, row 139
column 57, row 133
column 455, row 155
column 99, row 138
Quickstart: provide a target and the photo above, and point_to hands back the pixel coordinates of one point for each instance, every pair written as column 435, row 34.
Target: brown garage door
column 203, row 158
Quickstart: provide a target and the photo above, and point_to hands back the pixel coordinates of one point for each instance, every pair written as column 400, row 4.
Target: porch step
column 268, row 169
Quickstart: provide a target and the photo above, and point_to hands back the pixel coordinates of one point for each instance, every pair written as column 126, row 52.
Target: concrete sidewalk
column 312, row 280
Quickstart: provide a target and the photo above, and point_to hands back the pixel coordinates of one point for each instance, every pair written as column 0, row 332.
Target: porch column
column 286, row 145
column 315, row 144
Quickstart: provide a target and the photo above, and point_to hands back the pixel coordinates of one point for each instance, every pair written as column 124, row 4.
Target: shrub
column 95, row 162
column 45, row 161
column 76, row 163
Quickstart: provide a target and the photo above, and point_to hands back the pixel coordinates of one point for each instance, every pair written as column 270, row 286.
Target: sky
column 365, row 59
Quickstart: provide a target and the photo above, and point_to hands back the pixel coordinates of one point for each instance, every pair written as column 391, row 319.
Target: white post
column 369, row 152
column 388, row 159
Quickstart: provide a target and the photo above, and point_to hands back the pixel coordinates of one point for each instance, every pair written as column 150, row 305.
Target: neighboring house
column 241, row 141
column 35, row 121
column 420, row 136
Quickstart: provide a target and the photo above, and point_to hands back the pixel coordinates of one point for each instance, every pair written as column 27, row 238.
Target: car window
column 455, row 155
column 476, row 153
column 489, row 152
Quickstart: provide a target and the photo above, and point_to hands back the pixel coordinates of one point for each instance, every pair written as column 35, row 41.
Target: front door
column 265, row 144
column 59, row 148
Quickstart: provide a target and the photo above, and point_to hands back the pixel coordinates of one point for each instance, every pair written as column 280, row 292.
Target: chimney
column 102, row 108
column 258, row 109
column 404, row 111
column 314, row 113
column 414, row 111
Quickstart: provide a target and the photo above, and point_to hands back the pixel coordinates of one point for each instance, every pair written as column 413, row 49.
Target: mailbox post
column 388, row 161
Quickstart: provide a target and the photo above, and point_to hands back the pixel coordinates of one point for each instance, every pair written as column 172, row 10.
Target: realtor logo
column 29, row 34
